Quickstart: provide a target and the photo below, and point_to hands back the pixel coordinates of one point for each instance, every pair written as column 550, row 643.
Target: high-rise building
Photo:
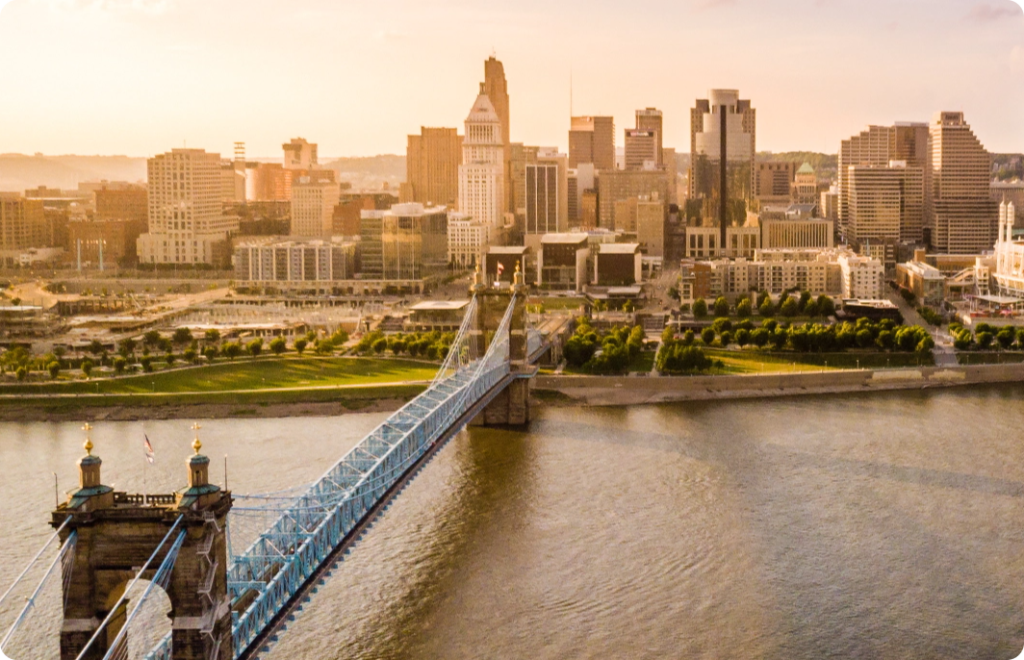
column 432, row 161
column 885, row 203
column 406, row 242
column 650, row 225
column 496, row 88
column 805, row 186
column 774, row 182
column 482, row 172
column 641, row 149
column 877, row 146
column 299, row 154
column 467, row 240
column 723, row 144
column 186, row 225
column 22, row 222
column 131, row 203
column 592, row 140
column 547, row 198
column 649, row 119
column 313, row 203
column 962, row 218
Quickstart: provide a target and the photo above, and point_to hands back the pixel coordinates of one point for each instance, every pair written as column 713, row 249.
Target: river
column 853, row 526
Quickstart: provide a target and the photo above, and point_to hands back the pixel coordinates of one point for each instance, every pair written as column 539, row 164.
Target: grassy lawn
column 993, row 357
column 554, row 304
column 753, row 361
column 247, row 374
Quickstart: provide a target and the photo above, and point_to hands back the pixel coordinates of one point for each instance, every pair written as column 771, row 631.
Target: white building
column 1009, row 257
column 313, row 205
column 294, row 262
column 862, row 277
column 482, row 174
column 467, row 240
column 185, row 220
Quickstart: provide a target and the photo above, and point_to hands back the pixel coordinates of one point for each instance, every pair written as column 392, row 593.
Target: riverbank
column 631, row 391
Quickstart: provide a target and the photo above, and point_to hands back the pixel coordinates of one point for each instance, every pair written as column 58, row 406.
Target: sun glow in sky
column 139, row 77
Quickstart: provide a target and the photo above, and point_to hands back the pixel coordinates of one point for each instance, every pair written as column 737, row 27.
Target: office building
column 774, row 183
column 885, row 204
column 123, row 203
column 22, row 222
column 186, row 225
column 617, row 264
column 805, row 185
column 299, row 154
column 547, row 198
column 650, row 120
column 562, row 261
column 796, row 234
column 482, row 172
column 495, row 87
column 592, row 140
column 723, row 142
column 650, row 225
column 617, row 185
column 467, row 240
column 641, row 149
column 313, row 203
column 828, row 205
column 705, row 242
column 432, row 161
column 963, row 219
column 405, row 242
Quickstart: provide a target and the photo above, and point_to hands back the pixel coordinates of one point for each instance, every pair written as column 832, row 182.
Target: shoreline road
column 945, row 355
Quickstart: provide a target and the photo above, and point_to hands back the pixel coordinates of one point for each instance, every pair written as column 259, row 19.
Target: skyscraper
column 886, row 204
column 723, row 144
column 592, row 140
column 546, row 193
column 313, row 203
column 496, row 88
column 641, row 149
column 432, row 161
column 186, row 225
column 299, row 154
column 482, row 172
column 649, row 119
column 962, row 219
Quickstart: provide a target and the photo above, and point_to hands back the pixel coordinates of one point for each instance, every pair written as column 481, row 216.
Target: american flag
column 501, row 269
column 148, row 448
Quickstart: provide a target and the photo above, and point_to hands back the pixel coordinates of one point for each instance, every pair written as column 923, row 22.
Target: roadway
column 944, row 353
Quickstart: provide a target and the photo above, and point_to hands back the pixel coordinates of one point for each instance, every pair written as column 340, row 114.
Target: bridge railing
column 282, row 558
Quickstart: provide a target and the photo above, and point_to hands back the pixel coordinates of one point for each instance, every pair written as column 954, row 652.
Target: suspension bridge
column 233, row 594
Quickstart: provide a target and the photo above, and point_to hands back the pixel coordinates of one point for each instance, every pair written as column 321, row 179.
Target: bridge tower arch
column 118, row 532
column 511, row 407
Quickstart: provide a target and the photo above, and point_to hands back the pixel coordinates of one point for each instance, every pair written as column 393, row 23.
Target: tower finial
column 87, row 446
column 196, row 444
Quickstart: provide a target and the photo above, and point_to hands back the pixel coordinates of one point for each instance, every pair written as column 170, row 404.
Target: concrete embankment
column 627, row 391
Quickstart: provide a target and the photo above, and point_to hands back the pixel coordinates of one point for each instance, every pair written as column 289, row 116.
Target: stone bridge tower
column 512, row 405
column 117, row 533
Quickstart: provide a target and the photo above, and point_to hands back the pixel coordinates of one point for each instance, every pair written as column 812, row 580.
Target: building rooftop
column 618, row 248
column 805, row 169
column 877, row 304
column 508, row 249
column 553, row 239
column 434, row 305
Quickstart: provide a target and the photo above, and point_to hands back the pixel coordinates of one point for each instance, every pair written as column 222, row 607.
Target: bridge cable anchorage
column 121, row 600
column 308, row 531
column 66, row 550
column 118, row 650
column 34, row 560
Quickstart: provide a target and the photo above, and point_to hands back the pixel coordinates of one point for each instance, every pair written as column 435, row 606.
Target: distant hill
column 19, row 172
column 384, row 166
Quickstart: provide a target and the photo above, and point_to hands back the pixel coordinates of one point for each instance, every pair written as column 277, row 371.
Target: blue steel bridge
column 233, row 594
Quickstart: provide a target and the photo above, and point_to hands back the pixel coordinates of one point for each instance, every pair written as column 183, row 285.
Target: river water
column 855, row 526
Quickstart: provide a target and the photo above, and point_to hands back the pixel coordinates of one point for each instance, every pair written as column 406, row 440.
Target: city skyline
column 197, row 82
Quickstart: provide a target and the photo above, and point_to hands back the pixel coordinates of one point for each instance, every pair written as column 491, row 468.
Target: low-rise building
column 562, row 261
column 294, row 264
column 441, row 315
column 703, row 242
column 467, row 240
column 863, row 277
column 617, row 264
column 922, row 279
column 815, row 233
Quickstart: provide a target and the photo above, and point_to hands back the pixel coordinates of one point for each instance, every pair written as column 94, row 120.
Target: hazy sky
column 139, row 77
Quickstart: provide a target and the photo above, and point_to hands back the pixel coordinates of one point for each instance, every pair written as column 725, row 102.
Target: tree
column 885, row 340
column 190, row 354
column 742, row 337
column 21, row 373
column 339, row 337
column 181, row 336
column 152, row 337
column 744, row 308
column 707, row 335
column 278, row 345
column 300, row 345
column 147, row 364
column 766, row 308
column 212, row 336
column 119, row 365
column 721, row 306
column 379, row 346
column 668, row 334
column 126, row 346
column 760, row 337
column 170, row 358
column 789, row 308
column 962, row 340
column 210, row 353
column 255, row 347
column 1005, row 337
column 926, row 345
column 826, row 306
column 325, row 347
column 700, row 308
column 87, row 366
column 725, row 338
column 688, row 338
column 865, row 338
column 232, row 349
column 95, row 347
column 1020, row 338
column 811, row 308
column 805, row 297
column 984, row 339
column 54, row 369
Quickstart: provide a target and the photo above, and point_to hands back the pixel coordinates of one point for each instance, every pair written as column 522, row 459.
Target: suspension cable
column 70, row 543
column 34, row 560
